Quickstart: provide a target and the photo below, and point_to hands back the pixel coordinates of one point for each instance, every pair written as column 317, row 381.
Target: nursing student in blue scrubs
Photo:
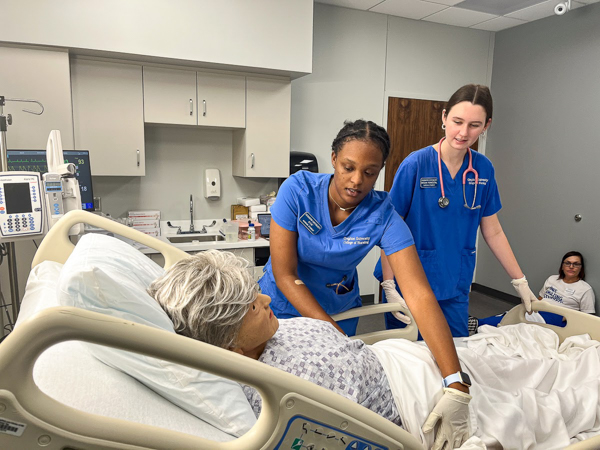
column 428, row 193
column 323, row 225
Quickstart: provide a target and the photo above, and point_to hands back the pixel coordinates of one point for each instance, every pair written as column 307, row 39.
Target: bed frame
column 30, row 419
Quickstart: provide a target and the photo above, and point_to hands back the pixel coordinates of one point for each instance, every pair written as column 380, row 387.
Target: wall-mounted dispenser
column 212, row 184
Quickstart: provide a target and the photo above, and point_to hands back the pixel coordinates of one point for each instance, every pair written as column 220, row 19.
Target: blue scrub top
column 445, row 238
column 328, row 254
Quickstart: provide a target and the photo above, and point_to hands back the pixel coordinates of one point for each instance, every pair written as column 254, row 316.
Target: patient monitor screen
column 35, row 161
column 17, row 197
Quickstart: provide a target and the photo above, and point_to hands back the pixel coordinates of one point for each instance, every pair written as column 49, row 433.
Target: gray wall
column 359, row 59
column 544, row 145
column 175, row 161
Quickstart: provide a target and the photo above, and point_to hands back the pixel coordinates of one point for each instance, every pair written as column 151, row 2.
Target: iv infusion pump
column 21, row 205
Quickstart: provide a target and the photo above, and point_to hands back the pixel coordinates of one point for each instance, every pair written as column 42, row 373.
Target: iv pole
column 10, row 246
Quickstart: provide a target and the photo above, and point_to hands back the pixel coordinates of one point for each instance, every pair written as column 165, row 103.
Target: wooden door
column 412, row 124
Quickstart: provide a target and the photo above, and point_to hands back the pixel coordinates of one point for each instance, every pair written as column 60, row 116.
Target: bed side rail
column 577, row 322
column 285, row 397
column 56, row 245
column 410, row 332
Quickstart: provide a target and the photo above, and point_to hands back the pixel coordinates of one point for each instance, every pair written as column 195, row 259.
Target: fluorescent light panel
column 500, row 8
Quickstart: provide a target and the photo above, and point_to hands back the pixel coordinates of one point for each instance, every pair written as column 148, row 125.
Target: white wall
column 270, row 34
column 359, row 59
column 544, row 145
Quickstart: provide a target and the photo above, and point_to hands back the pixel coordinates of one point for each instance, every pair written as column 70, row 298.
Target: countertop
column 199, row 246
column 167, row 232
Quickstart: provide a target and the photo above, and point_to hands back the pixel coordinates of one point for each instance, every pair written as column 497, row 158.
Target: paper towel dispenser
column 303, row 161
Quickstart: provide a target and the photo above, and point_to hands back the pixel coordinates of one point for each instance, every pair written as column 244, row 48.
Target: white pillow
column 106, row 275
column 40, row 290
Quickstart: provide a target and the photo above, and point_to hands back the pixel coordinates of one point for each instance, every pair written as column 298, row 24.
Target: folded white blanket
column 528, row 392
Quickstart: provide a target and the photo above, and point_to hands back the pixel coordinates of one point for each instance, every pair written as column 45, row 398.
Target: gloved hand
column 452, row 411
column 522, row 288
column 392, row 296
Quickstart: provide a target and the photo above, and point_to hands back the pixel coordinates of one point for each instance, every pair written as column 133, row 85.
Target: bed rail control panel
column 303, row 433
column 21, row 204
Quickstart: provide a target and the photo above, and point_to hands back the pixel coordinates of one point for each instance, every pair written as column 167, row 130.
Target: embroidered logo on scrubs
column 356, row 240
column 428, row 182
column 310, row 223
column 482, row 181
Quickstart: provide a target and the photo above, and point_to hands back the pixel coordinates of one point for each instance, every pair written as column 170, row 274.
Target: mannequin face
column 259, row 325
column 356, row 168
column 464, row 123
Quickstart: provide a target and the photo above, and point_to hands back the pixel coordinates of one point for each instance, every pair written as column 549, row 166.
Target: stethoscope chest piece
column 443, row 202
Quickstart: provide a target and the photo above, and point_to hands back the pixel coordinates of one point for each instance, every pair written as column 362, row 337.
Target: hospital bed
column 54, row 394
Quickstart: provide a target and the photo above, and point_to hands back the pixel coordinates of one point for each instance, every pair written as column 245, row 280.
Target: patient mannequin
column 213, row 298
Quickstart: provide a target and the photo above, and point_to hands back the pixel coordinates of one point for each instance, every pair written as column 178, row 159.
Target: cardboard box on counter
column 239, row 212
column 138, row 222
column 150, row 231
column 258, row 208
column 248, row 201
column 151, row 215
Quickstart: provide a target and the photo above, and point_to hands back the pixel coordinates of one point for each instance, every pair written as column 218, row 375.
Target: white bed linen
column 528, row 392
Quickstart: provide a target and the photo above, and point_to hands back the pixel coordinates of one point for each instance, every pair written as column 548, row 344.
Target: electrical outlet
column 97, row 204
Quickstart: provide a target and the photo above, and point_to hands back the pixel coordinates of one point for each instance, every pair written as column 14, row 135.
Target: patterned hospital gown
column 314, row 350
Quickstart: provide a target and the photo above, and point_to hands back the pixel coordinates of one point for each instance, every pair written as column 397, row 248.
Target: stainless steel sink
column 184, row 239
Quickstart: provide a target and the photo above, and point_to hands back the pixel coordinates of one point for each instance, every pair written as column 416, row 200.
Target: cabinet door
column 41, row 75
column 263, row 148
column 108, row 116
column 221, row 100
column 170, row 96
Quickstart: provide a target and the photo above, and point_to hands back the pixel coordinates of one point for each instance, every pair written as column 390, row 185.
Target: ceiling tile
column 445, row 2
column 354, row 4
column 535, row 12
column 459, row 17
column 499, row 23
column 411, row 9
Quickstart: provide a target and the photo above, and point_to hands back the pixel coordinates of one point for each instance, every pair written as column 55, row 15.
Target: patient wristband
column 458, row 377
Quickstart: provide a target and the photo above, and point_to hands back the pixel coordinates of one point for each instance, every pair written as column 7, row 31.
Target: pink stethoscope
column 445, row 201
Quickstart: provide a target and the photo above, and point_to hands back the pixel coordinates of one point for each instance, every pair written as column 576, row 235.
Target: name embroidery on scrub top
column 357, row 240
column 428, row 182
column 482, row 181
column 310, row 223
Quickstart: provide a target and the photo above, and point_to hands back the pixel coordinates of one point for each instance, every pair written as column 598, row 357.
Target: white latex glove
column 392, row 296
column 522, row 288
column 452, row 413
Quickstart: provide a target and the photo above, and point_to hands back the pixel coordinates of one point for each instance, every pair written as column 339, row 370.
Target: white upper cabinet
column 221, row 100
column 41, row 75
column 263, row 148
column 170, row 96
column 185, row 97
column 108, row 118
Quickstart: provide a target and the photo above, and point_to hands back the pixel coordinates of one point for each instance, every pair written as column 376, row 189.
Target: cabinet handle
column 138, row 157
column 204, row 105
column 191, row 107
column 252, row 164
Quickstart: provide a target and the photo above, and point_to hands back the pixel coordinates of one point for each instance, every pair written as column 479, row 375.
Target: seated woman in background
column 567, row 289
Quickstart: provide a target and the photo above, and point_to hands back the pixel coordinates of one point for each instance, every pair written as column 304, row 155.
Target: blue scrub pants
column 550, row 318
column 456, row 311
column 348, row 325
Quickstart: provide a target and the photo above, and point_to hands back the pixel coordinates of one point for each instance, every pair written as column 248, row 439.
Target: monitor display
column 35, row 161
column 265, row 220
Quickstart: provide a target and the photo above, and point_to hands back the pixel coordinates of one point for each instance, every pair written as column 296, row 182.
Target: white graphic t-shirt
column 578, row 296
